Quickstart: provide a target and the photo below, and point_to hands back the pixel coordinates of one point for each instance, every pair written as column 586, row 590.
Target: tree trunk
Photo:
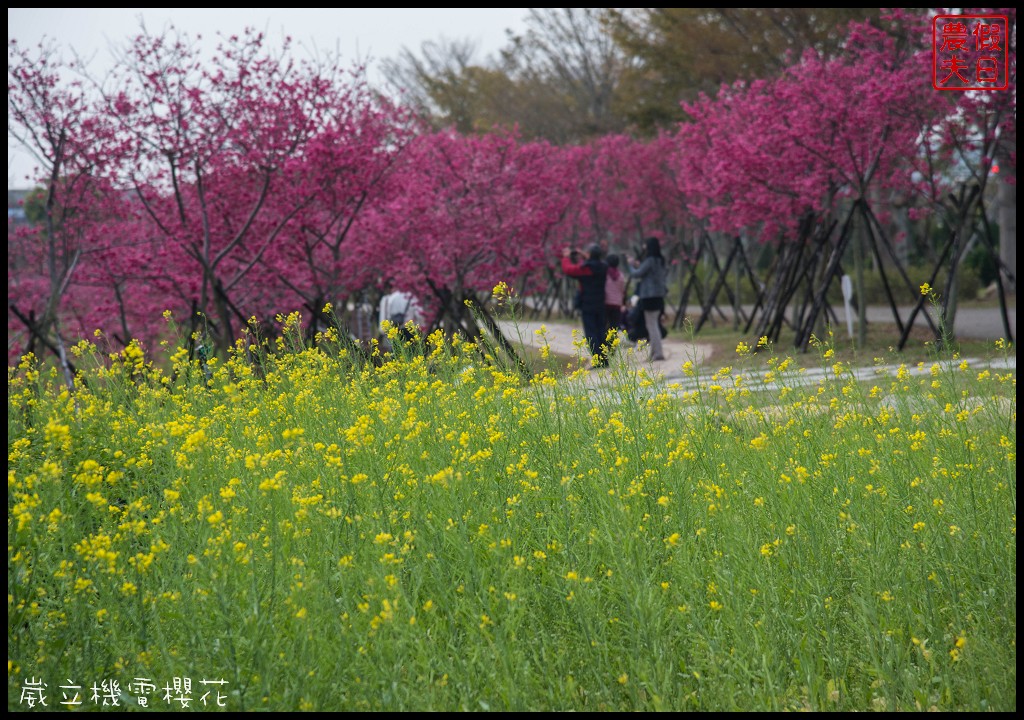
column 858, row 279
column 1008, row 230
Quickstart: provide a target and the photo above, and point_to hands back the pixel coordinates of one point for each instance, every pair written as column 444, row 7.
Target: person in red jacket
column 592, row 274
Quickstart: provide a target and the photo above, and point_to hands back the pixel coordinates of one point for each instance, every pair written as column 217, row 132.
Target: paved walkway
column 562, row 339
column 972, row 323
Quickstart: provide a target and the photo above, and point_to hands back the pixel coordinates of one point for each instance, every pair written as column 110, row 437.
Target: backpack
column 636, row 327
column 398, row 318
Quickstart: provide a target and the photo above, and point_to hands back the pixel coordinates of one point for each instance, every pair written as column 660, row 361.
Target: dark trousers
column 613, row 314
column 595, row 329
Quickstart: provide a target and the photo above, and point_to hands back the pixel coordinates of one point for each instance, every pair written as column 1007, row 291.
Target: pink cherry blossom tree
column 972, row 132
column 348, row 168
column 49, row 113
column 227, row 155
column 474, row 211
column 805, row 159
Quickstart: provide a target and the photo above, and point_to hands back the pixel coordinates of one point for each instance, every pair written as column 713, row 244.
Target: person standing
column 592, row 274
column 614, row 294
column 651, row 272
column 398, row 308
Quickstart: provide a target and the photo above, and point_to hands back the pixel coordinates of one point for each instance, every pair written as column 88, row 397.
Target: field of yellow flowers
column 296, row 529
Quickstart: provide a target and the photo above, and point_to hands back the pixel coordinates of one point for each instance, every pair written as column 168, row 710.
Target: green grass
column 441, row 533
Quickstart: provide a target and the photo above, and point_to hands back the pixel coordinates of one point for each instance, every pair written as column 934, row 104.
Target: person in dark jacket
column 591, row 274
column 652, row 273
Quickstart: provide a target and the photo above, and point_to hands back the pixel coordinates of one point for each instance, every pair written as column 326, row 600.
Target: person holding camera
column 591, row 274
column 651, row 272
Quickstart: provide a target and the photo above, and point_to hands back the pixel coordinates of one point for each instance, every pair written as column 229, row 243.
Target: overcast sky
column 358, row 34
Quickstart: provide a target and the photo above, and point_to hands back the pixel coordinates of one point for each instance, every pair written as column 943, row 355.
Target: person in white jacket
column 398, row 308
